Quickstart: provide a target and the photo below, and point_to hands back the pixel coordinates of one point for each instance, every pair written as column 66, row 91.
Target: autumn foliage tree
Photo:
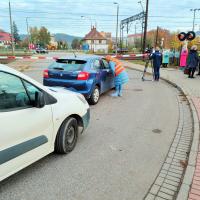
column 161, row 34
column 40, row 36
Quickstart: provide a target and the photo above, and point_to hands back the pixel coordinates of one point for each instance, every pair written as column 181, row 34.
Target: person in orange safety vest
column 121, row 76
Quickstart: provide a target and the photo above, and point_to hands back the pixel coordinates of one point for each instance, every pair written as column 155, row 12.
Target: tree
column 24, row 43
column 62, row 45
column 15, row 33
column 44, row 36
column 174, row 41
column 137, row 43
column 40, row 36
column 34, row 33
column 75, row 43
column 162, row 34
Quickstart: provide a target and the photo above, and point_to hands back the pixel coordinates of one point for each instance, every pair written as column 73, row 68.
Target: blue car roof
column 82, row 57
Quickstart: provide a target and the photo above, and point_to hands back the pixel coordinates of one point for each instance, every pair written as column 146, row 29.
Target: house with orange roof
column 96, row 41
column 5, row 39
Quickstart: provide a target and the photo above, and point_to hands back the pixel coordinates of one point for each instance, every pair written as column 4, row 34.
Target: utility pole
column 145, row 25
column 28, row 32
column 142, row 35
column 127, row 36
column 194, row 16
column 122, row 35
column 117, row 26
column 11, row 30
column 156, row 40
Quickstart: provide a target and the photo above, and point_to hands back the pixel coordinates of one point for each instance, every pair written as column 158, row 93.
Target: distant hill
column 65, row 37
column 58, row 37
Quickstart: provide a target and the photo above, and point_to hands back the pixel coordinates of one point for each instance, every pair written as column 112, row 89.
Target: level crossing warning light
column 186, row 36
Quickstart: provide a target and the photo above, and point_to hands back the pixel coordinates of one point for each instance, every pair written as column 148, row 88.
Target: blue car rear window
column 68, row 65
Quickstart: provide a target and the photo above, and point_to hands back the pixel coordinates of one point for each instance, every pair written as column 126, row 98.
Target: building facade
column 5, row 39
column 132, row 38
column 96, row 41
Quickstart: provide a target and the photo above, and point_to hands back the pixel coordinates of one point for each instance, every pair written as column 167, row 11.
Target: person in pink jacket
column 183, row 58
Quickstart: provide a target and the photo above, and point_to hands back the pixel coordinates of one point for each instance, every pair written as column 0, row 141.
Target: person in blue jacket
column 121, row 77
column 157, row 61
column 193, row 60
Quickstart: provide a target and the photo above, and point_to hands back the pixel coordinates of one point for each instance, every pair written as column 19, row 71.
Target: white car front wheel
column 67, row 136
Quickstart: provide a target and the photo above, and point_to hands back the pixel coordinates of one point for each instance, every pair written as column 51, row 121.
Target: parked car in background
column 41, row 50
column 88, row 75
column 36, row 120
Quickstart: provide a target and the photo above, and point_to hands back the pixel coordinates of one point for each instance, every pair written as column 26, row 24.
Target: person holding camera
column 157, row 61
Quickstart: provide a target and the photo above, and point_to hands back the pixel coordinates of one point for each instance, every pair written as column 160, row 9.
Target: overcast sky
column 64, row 16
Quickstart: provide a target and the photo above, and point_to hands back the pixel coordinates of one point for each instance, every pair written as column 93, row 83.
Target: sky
column 64, row 16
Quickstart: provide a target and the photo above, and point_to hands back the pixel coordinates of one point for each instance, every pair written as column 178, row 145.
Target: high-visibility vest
column 118, row 69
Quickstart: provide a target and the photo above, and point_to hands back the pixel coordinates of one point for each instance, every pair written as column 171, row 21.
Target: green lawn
column 17, row 53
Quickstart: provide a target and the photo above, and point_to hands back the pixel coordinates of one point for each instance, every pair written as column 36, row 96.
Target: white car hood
column 60, row 90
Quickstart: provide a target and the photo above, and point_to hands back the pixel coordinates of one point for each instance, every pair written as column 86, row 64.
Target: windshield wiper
column 58, row 68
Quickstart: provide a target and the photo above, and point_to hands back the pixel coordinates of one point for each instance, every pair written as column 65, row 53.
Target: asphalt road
column 117, row 158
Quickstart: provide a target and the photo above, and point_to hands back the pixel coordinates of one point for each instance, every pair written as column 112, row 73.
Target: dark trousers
column 164, row 64
column 199, row 69
column 156, row 73
column 191, row 72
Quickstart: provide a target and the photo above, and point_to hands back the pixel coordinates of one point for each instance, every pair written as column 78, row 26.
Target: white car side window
column 13, row 95
column 31, row 90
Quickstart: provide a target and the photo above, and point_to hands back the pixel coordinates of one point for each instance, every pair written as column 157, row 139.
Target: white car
column 36, row 120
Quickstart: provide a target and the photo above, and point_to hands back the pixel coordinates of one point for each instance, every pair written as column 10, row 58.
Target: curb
column 189, row 172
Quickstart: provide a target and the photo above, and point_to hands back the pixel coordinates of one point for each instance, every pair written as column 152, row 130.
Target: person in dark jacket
column 193, row 60
column 199, row 66
column 157, row 61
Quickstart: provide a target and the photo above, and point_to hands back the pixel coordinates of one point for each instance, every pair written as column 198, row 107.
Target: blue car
column 88, row 75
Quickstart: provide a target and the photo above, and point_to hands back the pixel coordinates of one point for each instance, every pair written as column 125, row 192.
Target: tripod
column 146, row 67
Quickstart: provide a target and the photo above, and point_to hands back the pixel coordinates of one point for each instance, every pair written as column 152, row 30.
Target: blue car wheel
column 94, row 96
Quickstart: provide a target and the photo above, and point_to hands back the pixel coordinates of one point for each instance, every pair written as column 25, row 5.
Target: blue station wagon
column 89, row 75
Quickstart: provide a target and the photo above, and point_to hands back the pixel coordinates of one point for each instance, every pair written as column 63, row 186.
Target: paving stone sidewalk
column 190, row 187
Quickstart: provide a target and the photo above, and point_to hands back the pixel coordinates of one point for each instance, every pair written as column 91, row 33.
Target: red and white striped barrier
column 130, row 57
column 28, row 57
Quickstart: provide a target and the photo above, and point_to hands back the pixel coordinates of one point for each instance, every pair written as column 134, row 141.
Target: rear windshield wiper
column 58, row 68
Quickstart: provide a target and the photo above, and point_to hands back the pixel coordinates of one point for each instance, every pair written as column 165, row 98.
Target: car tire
column 94, row 99
column 67, row 136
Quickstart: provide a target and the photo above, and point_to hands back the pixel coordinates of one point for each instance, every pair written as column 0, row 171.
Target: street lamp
column 84, row 17
column 117, row 25
column 194, row 16
column 140, row 2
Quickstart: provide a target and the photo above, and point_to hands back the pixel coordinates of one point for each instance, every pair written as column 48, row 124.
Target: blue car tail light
column 83, row 76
